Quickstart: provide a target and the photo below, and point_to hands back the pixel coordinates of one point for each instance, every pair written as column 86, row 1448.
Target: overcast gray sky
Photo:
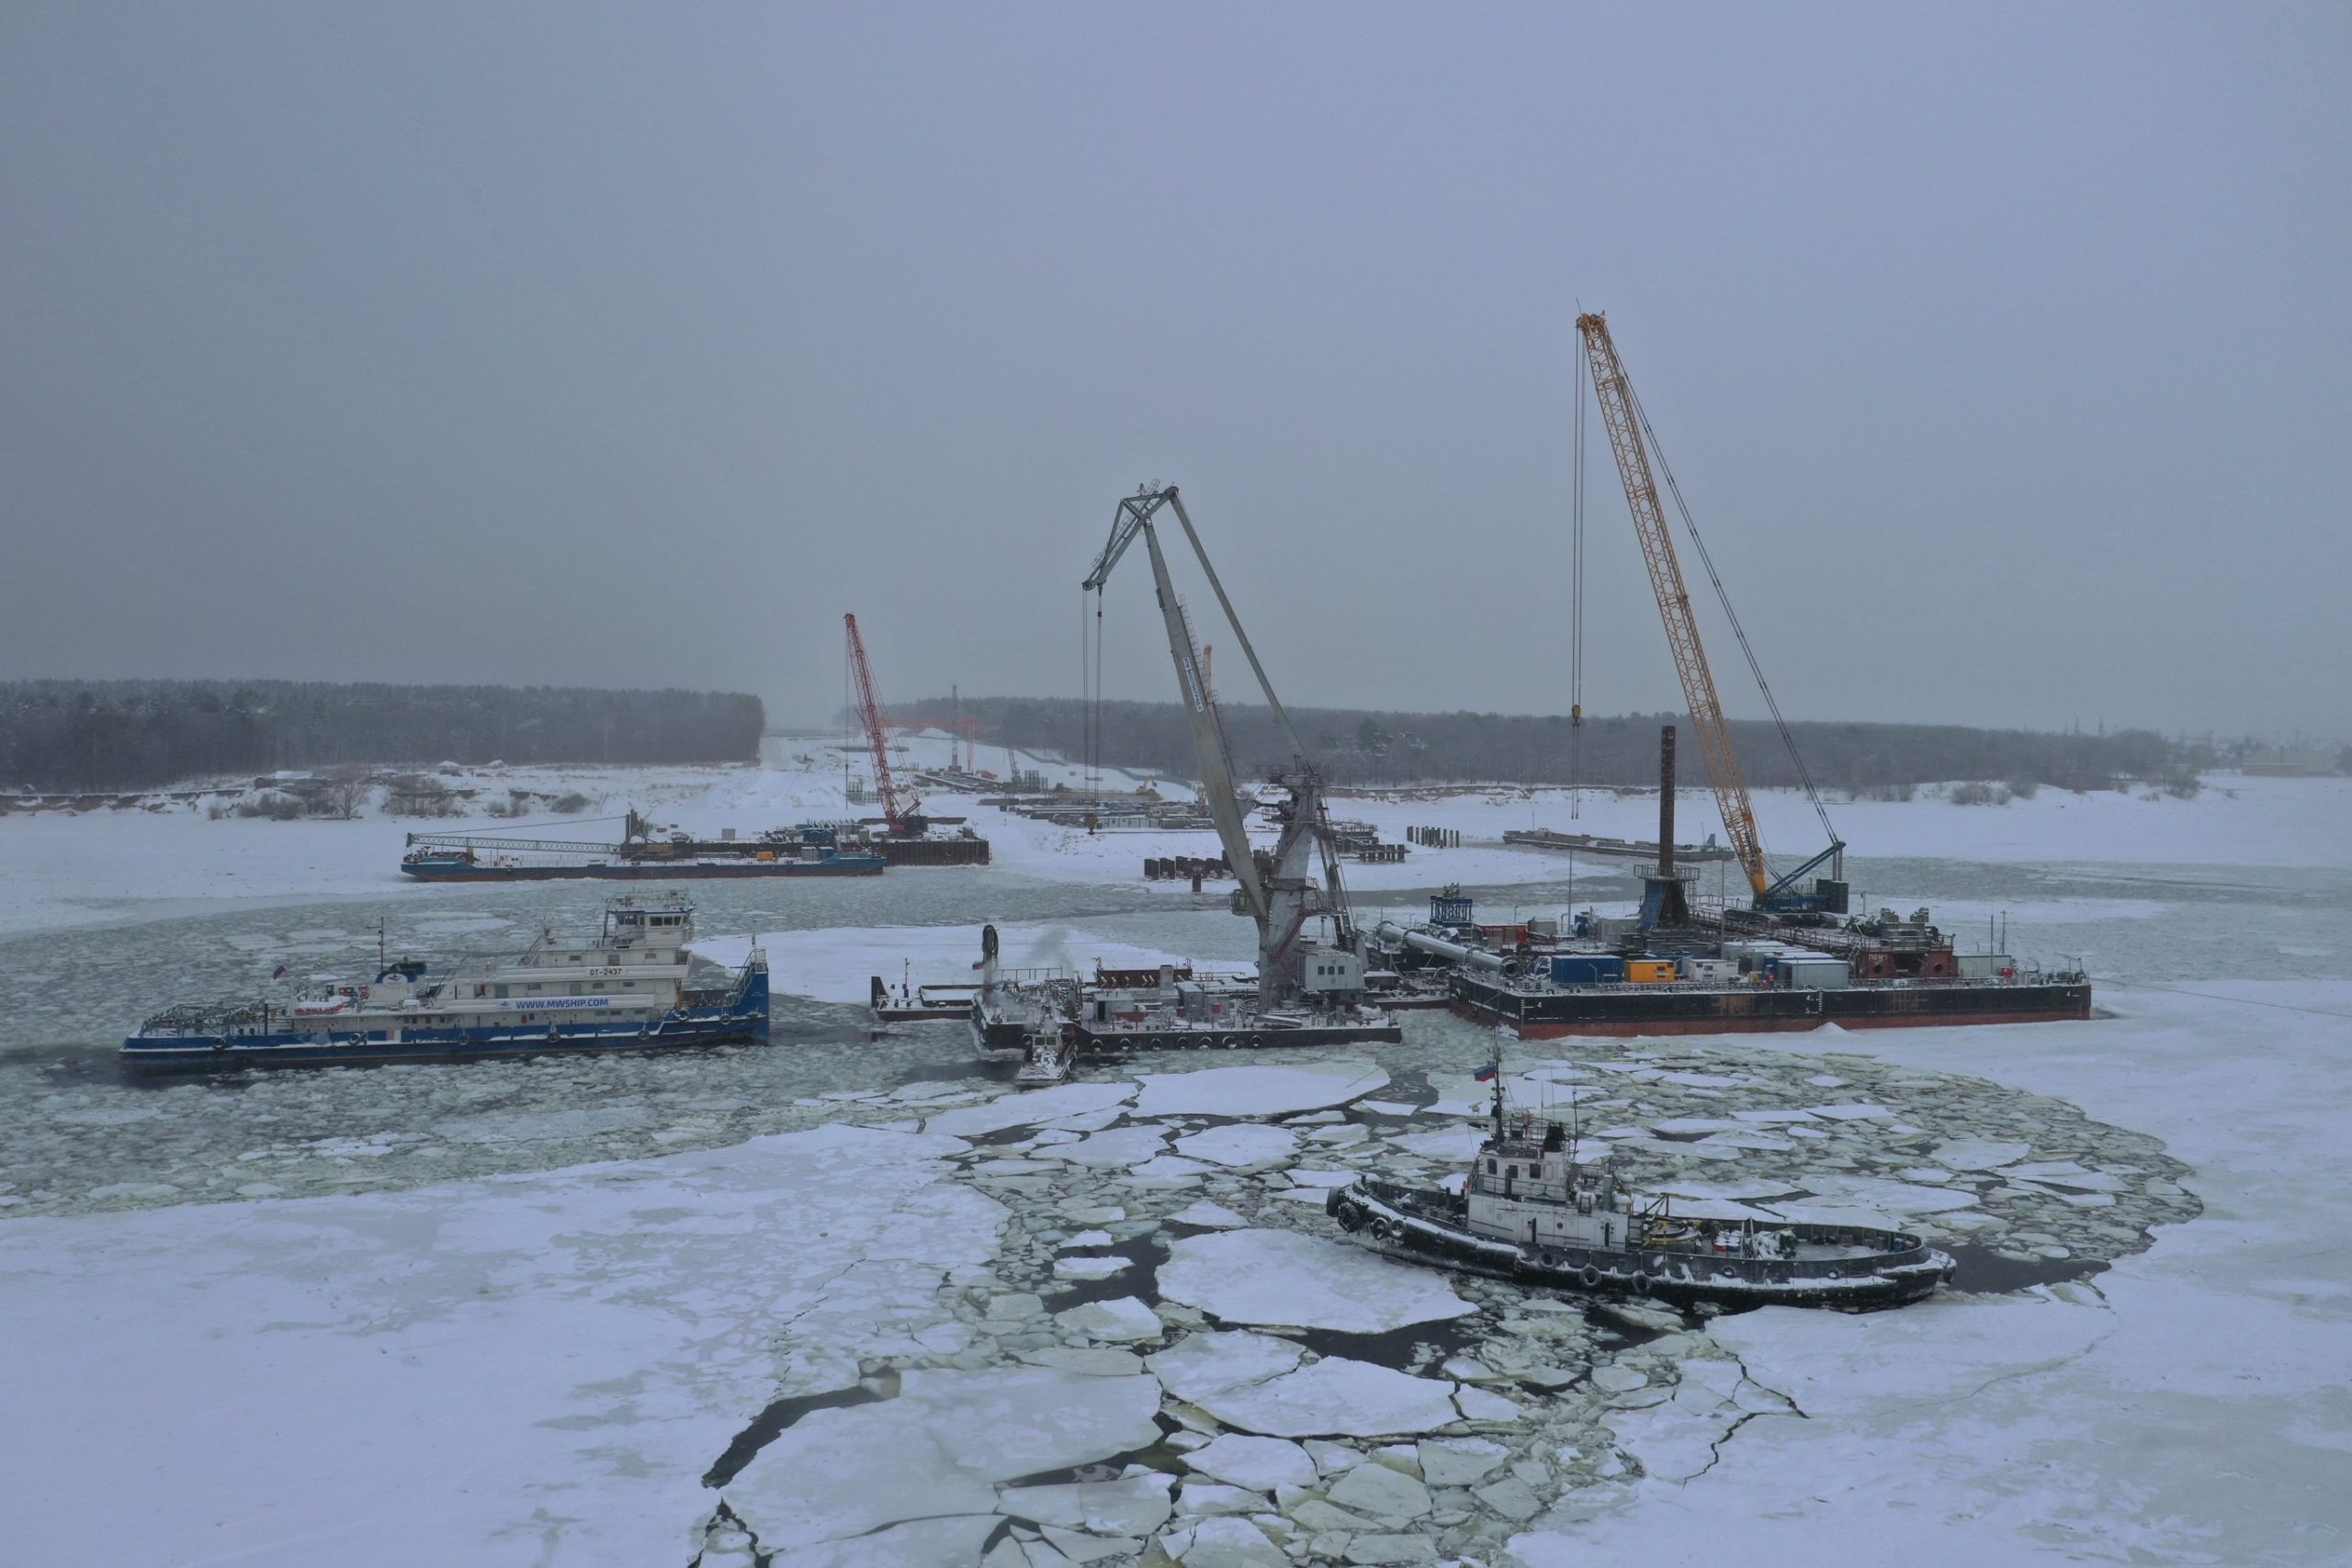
column 2003, row 355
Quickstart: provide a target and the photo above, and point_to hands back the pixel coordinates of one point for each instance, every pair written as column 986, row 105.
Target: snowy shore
column 108, row 866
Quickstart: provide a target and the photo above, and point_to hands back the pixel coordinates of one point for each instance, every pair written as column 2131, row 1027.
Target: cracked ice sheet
column 1248, row 1381
column 1258, row 1091
column 939, row 1448
column 1308, row 1281
column 1973, row 1430
column 1240, row 1144
column 528, row 1368
column 1020, row 1108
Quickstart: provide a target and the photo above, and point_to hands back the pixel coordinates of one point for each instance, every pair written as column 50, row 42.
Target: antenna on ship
column 1494, row 1074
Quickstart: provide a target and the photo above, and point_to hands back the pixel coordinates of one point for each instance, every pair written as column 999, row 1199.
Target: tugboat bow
column 1531, row 1211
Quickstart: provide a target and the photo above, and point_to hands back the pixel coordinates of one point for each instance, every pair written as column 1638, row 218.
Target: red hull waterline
column 1632, row 1028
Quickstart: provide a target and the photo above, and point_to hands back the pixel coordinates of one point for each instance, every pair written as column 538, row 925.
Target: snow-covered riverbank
column 110, row 866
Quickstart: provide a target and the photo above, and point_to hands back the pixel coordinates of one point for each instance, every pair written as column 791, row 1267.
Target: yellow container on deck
column 1649, row 971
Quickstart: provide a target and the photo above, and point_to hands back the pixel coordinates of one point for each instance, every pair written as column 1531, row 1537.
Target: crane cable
column 1722, row 597
column 1576, row 598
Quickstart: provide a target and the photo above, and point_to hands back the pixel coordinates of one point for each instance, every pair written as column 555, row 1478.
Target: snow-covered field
column 853, row 1300
column 105, row 867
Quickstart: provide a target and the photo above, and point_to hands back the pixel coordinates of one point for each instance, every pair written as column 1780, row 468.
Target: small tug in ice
column 632, row 985
column 1531, row 1212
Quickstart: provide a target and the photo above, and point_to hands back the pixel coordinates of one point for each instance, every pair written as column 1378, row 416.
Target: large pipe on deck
column 1421, row 941
column 1665, row 801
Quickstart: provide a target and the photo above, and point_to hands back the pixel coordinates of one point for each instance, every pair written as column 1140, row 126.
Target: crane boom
column 1617, row 412
column 877, row 731
column 1218, row 791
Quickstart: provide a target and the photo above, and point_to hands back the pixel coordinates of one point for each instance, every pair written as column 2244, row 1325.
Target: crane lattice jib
column 877, row 728
column 1616, row 398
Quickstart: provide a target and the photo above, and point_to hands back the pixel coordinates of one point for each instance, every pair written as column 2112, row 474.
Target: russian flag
column 1485, row 1074
column 278, row 973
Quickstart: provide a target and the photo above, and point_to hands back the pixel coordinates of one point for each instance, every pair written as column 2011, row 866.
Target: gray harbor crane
column 1308, row 947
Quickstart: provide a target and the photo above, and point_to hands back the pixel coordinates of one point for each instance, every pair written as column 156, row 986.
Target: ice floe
column 1284, row 1277
column 1130, row 1506
column 1336, row 1396
column 1451, row 1145
column 917, row 1543
column 1122, row 1320
column 1978, row 1153
column 1259, row 1463
column 1241, row 1145
column 1257, row 1090
column 939, row 1448
column 581, row 1346
column 1029, row 1107
column 1202, row 1364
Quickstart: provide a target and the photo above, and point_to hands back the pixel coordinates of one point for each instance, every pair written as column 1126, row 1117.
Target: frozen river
column 849, row 1299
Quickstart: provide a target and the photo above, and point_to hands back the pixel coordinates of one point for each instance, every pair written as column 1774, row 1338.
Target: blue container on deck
column 1587, row 969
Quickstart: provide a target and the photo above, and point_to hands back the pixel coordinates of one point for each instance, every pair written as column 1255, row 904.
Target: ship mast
column 1495, row 1067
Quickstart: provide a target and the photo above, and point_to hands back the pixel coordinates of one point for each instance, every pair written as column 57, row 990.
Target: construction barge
column 1795, row 958
column 1127, row 1010
column 1538, row 1010
column 1600, row 848
column 809, row 848
column 1796, row 961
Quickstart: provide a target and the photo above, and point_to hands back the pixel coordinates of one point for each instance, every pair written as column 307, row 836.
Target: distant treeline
column 122, row 734
column 1356, row 747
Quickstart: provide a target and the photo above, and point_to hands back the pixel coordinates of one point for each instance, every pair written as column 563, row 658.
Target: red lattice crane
column 878, row 733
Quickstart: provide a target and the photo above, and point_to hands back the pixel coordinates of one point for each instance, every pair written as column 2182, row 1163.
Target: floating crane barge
column 1794, row 958
column 1310, row 984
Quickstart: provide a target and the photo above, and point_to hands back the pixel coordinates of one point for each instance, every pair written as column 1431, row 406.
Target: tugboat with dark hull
column 1531, row 1212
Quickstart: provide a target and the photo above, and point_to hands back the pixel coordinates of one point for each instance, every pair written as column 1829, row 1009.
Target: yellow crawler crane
column 1622, row 414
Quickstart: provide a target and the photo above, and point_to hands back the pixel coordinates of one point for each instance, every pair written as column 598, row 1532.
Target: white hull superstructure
column 632, row 983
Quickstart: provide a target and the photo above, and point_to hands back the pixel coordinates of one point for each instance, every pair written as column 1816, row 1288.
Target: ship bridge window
column 1490, row 1167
